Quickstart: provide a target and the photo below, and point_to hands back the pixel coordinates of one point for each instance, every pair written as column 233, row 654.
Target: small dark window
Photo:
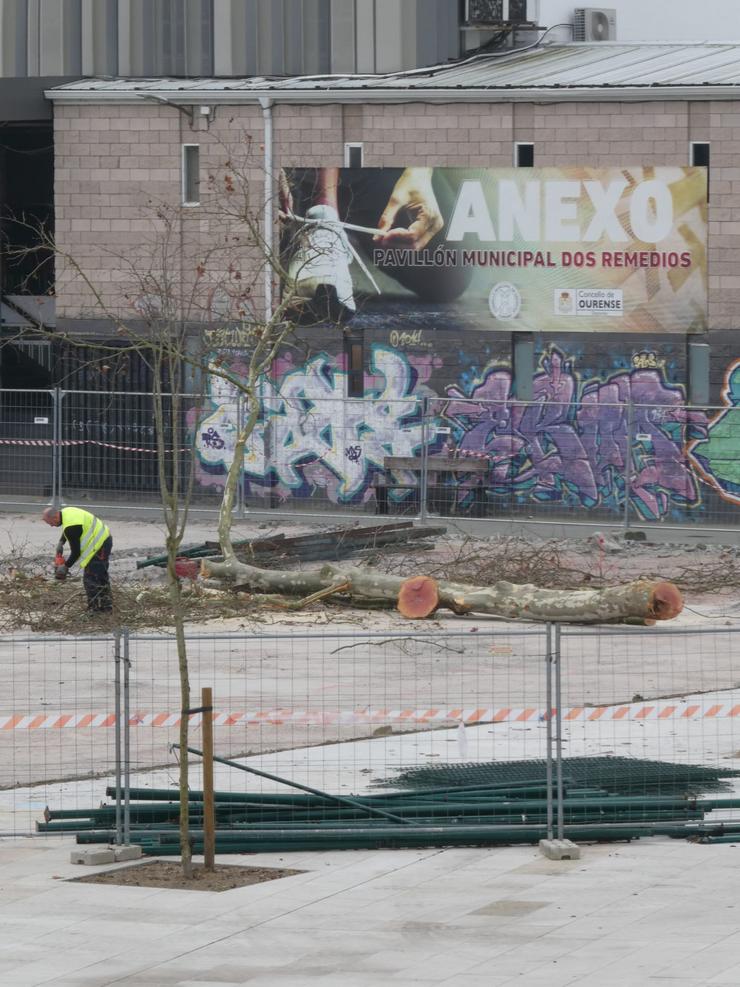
column 699, row 155
column 524, row 155
column 700, row 158
column 355, row 352
column 190, row 174
column 353, row 155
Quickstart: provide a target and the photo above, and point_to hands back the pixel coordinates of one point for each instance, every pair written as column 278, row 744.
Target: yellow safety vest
column 94, row 531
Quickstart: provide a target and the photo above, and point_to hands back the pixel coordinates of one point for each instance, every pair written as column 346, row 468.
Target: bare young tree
column 161, row 311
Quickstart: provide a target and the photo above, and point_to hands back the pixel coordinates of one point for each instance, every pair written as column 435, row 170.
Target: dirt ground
column 31, row 600
column 168, row 874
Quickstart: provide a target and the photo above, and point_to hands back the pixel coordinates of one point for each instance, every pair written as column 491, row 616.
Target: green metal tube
column 377, row 834
column 379, row 837
column 512, row 820
column 342, row 800
column 392, row 800
column 66, row 826
column 172, row 795
column 139, row 813
column 629, row 816
column 451, row 810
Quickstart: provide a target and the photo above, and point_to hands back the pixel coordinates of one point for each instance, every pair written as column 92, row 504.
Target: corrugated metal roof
column 603, row 66
column 41, row 309
column 9, row 317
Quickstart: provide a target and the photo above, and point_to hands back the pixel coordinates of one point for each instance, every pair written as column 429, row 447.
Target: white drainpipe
column 266, row 104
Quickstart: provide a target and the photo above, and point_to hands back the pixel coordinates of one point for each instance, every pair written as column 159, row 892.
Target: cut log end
column 418, row 597
column 665, row 602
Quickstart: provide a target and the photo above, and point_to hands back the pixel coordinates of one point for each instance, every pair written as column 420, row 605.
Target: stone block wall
column 115, row 162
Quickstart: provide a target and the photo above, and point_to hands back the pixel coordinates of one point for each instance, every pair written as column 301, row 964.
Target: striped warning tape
column 429, row 715
column 81, row 442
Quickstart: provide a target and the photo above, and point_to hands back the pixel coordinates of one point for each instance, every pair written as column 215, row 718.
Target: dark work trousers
column 95, row 579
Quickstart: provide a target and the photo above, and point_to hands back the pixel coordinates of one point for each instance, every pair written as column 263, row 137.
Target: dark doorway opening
column 26, row 203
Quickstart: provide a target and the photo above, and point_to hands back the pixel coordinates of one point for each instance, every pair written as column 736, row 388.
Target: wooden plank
column 336, row 544
column 284, row 542
column 339, row 549
column 209, row 813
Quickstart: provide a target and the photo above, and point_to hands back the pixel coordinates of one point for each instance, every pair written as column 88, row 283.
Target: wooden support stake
column 209, row 813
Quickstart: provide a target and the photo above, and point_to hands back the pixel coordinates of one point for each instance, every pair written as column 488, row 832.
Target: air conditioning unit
column 492, row 13
column 595, row 24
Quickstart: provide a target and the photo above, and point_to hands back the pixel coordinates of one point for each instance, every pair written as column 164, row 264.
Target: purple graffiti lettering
column 572, row 440
column 211, row 439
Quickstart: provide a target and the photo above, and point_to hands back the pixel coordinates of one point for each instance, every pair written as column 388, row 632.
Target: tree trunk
column 643, row 599
column 233, row 477
column 418, row 597
column 182, row 661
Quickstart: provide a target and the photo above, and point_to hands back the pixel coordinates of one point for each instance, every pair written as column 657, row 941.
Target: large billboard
column 534, row 249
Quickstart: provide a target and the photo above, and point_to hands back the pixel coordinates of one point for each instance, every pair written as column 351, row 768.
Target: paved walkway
column 655, row 912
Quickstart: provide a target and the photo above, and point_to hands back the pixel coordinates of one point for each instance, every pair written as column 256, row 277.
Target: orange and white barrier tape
column 367, row 715
column 82, row 442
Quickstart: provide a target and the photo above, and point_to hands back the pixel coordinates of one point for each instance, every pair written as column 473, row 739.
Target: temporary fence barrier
column 620, row 463
column 514, row 733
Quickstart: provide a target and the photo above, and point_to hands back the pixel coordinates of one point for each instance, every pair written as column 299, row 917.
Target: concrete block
column 92, row 857
column 127, row 853
column 560, row 850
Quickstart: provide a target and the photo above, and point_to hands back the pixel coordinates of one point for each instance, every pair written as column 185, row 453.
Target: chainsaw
column 60, row 568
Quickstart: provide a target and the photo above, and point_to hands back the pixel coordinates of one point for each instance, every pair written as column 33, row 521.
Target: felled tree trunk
column 419, row 596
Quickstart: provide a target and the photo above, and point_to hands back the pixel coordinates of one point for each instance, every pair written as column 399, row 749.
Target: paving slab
column 570, row 927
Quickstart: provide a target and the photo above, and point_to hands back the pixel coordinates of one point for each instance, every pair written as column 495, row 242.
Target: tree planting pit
column 168, row 874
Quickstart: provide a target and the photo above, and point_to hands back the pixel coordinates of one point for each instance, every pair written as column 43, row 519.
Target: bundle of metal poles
column 368, row 837
column 512, row 812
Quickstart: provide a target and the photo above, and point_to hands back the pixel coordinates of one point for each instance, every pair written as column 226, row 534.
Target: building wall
column 114, row 162
column 223, row 37
column 110, row 160
column 117, row 195
column 76, row 38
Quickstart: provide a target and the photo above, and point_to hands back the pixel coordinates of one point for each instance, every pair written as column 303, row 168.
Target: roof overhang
column 372, row 94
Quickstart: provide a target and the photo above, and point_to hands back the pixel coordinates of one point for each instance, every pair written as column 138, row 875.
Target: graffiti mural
column 569, row 445
column 217, row 432
column 567, row 449
column 310, row 437
column 717, row 456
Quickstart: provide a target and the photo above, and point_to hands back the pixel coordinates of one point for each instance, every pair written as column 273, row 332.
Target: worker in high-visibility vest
column 90, row 542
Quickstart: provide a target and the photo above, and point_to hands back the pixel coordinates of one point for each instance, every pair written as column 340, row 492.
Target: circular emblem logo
column 504, row 301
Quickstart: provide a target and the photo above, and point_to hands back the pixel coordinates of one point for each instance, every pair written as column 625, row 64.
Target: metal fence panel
column 108, row 444
column 328, row 454
column 300, row 692
column 339, row 711
column 614, row 462
column 666, row 694
column 28, row 430
column 57, row 723
column 605, row 459
column 358, row 712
